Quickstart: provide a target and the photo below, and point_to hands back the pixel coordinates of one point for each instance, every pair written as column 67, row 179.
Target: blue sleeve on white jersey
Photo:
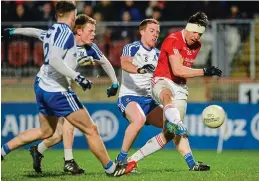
column 42, row 35
column 64, row 38
column 70, row 42
column 95, row 52
column 130, row 49
column 157, row 52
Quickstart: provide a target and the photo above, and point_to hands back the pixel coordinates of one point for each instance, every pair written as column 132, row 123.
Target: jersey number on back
column 46, row 51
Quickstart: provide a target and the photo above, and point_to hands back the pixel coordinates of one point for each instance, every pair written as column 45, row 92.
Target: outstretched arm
column 31, row 32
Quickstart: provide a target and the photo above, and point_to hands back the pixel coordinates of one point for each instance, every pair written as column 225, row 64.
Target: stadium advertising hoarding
column 240, row 131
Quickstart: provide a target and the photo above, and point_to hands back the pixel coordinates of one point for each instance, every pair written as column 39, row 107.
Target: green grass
column 164, row 165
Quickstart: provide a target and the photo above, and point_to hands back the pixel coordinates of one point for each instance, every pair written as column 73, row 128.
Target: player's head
column 149, row 31
column 195, row 27
column 66, row 12
column 84, row 28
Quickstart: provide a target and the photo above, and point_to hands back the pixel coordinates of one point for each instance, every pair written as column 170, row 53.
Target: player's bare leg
column 37, row 151
column 155, row 118
column 157, row 142
column 82, row 120
column 68, row 138
column 47, row 127
column 181, row 141
column 137, row 119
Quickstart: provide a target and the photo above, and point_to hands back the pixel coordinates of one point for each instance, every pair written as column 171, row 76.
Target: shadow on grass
column 158, row 171
column 60, row 174
column 45, row 174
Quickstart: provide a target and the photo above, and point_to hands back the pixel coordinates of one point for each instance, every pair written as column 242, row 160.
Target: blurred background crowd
column 131, row 10
column 230, row 42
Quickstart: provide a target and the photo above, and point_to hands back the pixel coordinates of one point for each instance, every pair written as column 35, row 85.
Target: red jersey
column 174, row 44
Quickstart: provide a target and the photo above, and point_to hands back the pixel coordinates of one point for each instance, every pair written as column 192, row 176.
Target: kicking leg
column 155, row 118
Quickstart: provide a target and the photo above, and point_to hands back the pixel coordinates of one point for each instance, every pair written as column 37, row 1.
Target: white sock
column 153, row 145
column 42, row 147
column 111, row 169
column 172, row 114
column 3, row 152
column 68, row 154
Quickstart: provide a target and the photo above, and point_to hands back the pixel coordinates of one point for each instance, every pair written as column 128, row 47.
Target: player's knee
column 166, row 96
column 56, row 137
column 69, row 130
column 139, row 123
column 47, row 133
column 92, row 131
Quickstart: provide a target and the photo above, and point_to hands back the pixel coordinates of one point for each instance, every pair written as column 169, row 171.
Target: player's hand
column 148, row 68
column 210, row 71
column 112, row 91
column 84, row 83
column 86, row 60
column 8, row 32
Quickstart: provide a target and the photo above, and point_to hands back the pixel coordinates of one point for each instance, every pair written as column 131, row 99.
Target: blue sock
column 108, row 165
column 122, row 156
column 189, row 160
column 6, row 149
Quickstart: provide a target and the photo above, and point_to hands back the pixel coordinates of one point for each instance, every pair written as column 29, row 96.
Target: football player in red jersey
column 176, row 58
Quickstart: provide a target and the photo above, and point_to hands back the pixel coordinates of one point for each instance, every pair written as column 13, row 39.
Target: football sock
column 189, row 160
column 153, row 145
column 5, row 150
column 122, row 156
column 42, row 147
column 172, row 114
column 110, row 167
column 68, row 154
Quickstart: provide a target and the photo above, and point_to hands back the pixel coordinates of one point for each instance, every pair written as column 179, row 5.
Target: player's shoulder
column 156, row 50
column 62, row 30
column 93, row 50
column 64, row 37
column 131, row 49
column 94, row 46
column 133, row 44
column 175, row 36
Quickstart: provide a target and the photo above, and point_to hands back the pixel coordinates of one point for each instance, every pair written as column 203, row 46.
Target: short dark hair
column 145, row 22
column 82, row 20
column 199, row 18
column 63, row 7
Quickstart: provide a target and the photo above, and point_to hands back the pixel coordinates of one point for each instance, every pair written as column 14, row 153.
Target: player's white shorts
column 180, row 92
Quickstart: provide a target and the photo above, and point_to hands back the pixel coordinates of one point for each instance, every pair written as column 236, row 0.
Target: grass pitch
column 164, row 165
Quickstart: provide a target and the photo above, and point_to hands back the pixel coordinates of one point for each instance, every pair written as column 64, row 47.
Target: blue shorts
column 147, row 104
column 58, row 104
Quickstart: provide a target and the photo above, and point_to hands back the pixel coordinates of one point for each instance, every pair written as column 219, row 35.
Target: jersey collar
column 63, row 24
column 183, row 37
column 148, row 49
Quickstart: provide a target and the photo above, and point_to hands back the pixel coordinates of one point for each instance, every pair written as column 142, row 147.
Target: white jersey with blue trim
column 58, row 35
column 89, row 51
column 82, row 52
column 138, row 84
